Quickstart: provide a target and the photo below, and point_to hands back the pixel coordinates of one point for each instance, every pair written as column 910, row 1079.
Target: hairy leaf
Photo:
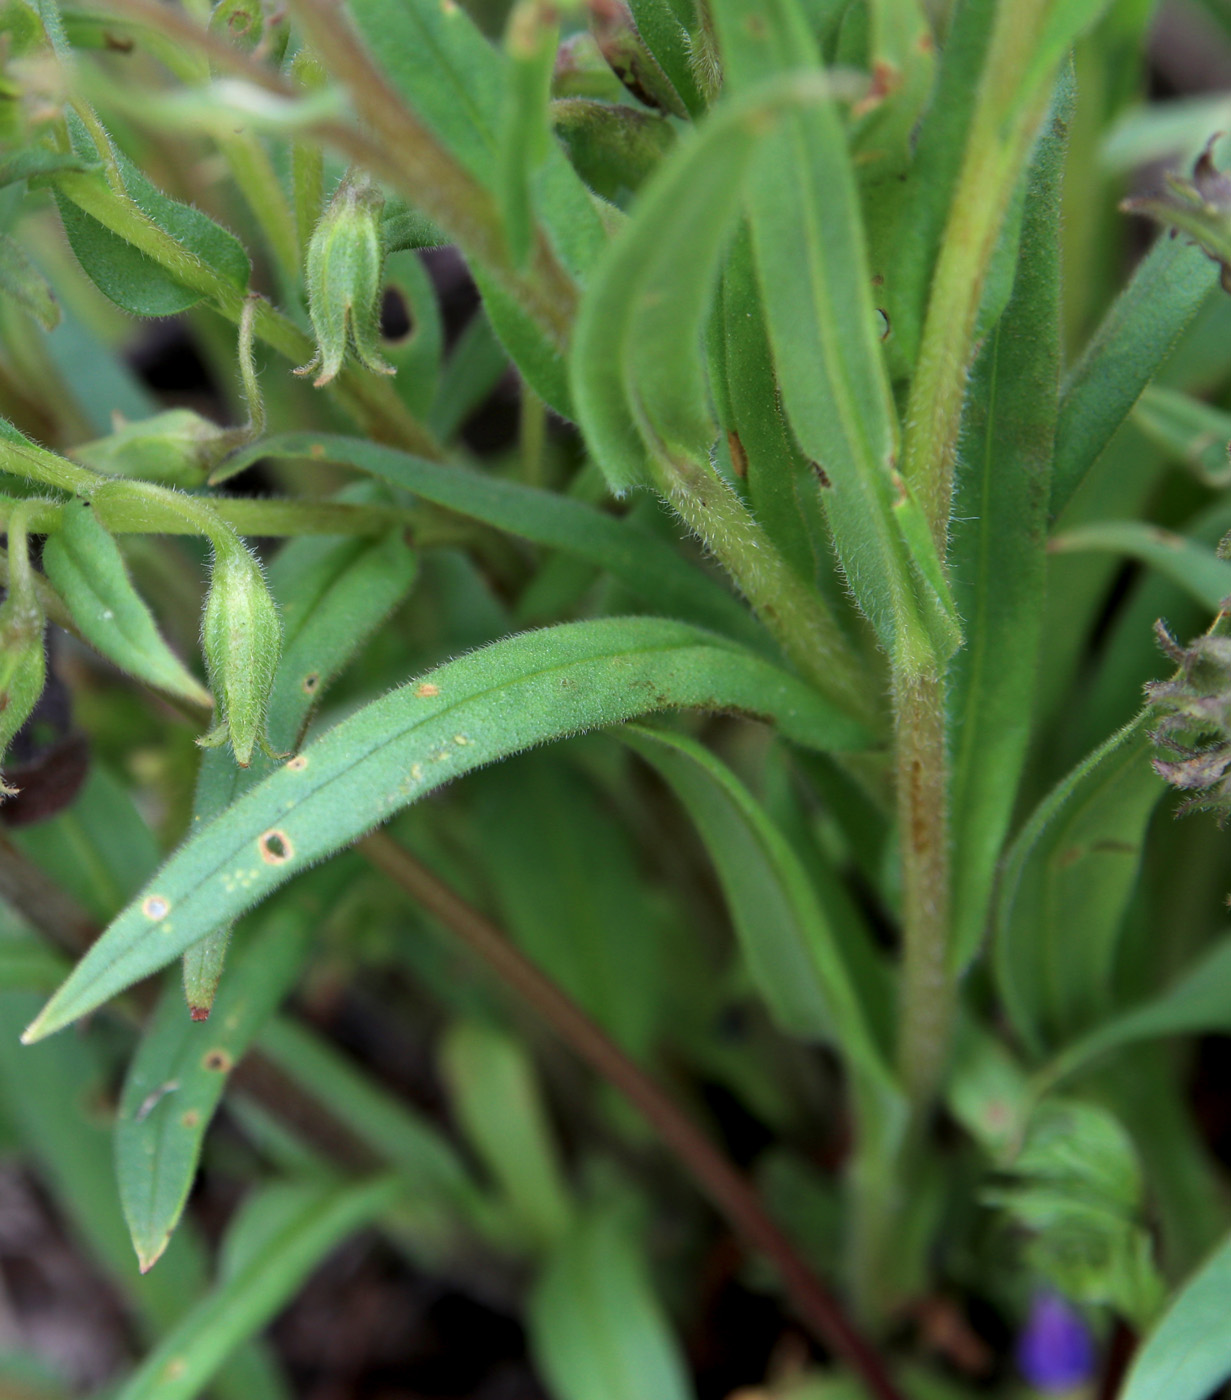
column 519, row 692
column 1067, row 880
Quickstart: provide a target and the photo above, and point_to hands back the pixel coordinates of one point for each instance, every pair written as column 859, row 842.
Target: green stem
column 929, row 994
column 793, row 612
column 1010, row 105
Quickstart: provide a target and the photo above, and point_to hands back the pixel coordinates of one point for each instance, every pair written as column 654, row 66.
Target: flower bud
column 241, row 636
column 345, row 266
column 175, row 448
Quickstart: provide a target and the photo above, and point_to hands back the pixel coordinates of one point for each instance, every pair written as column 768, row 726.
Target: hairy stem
column 928, row 990
column 1011, row 103
column 726, row 1188
column 792, row 610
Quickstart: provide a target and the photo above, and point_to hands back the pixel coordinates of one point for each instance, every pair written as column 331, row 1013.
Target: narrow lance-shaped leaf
column 84, row 563
column 907, row 258
column 430, row 1168
column 792, row 952
column 532, row 36
column 496, row 1096
column 1135, row 338
column 1200, row 1001
column 335, row 594
column 186, row 1358
column 51, row 1096
column 521, row 691
column 177, row 1077
column 813, row 268
column 1187, row 1356
column 1192, row 432
column 644, row 564
column 782, row 483
column 1196, row 568
column 597, row 1329
column 997, row 552
column 1066, row 883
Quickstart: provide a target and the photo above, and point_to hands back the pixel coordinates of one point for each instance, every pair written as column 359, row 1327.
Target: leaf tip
column 37, row 1029
column 146, row 1259
column 199, row 1013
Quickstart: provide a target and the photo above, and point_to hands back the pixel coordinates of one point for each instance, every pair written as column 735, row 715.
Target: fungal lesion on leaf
column 275, row 847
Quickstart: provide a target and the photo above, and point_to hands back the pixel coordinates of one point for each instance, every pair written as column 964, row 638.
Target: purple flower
column 1055, row 1351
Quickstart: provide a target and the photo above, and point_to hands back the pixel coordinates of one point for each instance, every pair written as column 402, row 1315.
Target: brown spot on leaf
column 739, row 458
column 426, row 690
column 218, row 1061
column 275, row 847
column 310, row 683
column 190, row 1119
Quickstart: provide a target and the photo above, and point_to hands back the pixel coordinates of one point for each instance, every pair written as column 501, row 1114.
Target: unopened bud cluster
column 1195, row 728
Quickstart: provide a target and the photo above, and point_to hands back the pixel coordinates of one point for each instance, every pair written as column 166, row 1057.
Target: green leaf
column 1067, row 881
column 334, row 594
column 495, row 1093
column 447, row 72
column 997, row 554
column 532, row 36
column 636, row 372
column 1189, row 431
column 596, row 1327
column 783, row 485
column 812, row 265
column 795, row 959
column 1135, row 338
column 1065, row 21
column 519, row 692
column 571, row 893
column 1199, row 1001
column 132, row 280
column 99, row 850
column 84, row 563
column 1196, row 568
column 908, row 258
column 650, row 568
column 1187, row 1356
column 671, row 30
column 185, row 1360
column 52, row 1094
column 26, row 285
column 181, row 1067
column 428, row 1165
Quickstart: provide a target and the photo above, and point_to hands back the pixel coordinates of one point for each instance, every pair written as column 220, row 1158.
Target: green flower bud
column 241, row 636
column 345, row 266
column 23, row 666
column 175, row 448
